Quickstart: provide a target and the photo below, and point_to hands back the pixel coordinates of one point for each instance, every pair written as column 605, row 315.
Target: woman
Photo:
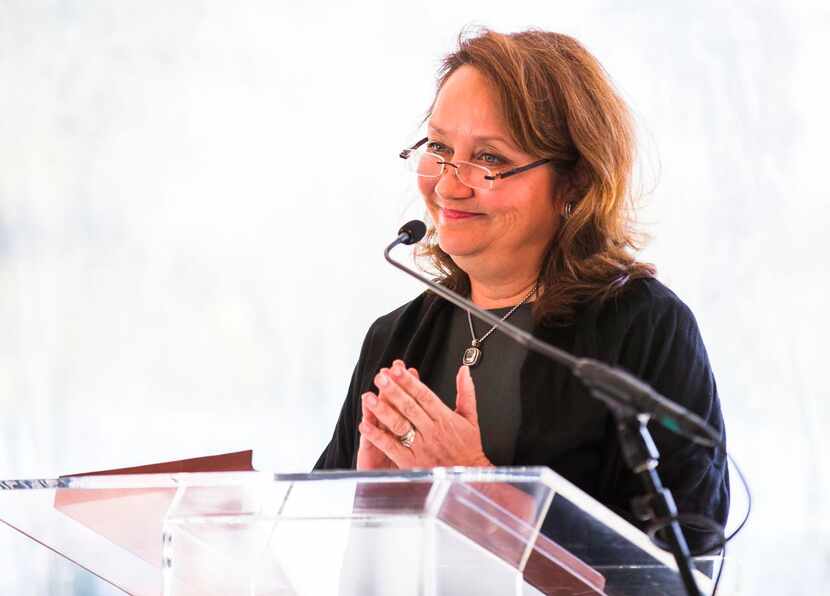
column 525, row 173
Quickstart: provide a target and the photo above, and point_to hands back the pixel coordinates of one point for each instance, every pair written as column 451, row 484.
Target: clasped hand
column 443, row 437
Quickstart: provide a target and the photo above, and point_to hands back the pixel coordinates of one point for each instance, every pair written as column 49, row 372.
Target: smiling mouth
column 455, row 214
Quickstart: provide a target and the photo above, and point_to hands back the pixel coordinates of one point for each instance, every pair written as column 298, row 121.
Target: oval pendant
column 471, row 356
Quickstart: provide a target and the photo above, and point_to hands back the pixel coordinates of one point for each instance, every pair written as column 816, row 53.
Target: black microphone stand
column 641, row 456
column 617, row 390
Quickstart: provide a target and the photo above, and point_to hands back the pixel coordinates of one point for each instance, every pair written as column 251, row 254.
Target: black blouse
column 646, row 330
column 496, row 378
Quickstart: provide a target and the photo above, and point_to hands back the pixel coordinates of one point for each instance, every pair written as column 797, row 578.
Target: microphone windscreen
column 415, row 229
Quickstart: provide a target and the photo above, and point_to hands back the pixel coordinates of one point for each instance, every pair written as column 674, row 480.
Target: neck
column 501, row 293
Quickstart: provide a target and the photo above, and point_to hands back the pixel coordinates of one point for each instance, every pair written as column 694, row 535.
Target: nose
column 449, row 186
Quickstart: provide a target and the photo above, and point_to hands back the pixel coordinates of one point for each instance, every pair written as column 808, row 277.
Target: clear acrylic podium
column 445, row 531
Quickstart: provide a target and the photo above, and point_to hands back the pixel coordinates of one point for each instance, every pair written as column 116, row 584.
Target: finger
column 465, row 399
column 388, row 444
column 412, row 371
column 379, row 392
column 423, row 396
column 389, row 416
column 367, row 415
column 364, row 407
column 401, row 400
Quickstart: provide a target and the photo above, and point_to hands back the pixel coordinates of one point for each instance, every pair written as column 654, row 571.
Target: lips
column 455, row 214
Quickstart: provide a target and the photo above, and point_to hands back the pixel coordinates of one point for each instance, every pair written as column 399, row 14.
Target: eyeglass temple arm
column 406, row 152
column 518, row 170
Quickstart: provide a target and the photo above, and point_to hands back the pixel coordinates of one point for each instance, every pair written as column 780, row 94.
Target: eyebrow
column 441, row 131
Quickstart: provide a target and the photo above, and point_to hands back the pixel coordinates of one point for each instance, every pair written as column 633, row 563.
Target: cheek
column 427, row 186
column 541, row 205
column 540, row 215
column 531, row 217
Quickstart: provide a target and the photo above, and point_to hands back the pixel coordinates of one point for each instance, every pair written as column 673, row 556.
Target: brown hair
column 559, row 104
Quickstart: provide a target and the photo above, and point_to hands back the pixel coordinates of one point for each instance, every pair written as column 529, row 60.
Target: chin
column 458, row 245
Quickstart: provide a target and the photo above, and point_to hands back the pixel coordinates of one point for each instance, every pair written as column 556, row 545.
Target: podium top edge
column 537, row 474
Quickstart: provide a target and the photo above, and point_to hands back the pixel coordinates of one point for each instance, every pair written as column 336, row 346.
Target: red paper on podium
column 132, row 518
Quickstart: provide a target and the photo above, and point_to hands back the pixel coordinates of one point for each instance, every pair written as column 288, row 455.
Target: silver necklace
column 472, row 355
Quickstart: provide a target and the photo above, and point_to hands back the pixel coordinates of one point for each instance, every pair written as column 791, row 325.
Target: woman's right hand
column 370, row 457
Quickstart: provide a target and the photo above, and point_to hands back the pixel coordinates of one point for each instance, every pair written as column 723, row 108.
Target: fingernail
column 398, row 362
column 382, row 380
column 397, row 369
column 370, row 399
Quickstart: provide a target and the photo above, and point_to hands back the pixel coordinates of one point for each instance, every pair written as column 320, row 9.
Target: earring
column 567, row 209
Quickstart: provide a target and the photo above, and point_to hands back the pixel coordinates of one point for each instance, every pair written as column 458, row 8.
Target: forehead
column 468, row 105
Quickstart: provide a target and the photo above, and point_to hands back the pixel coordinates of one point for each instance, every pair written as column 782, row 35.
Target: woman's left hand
column 443, row 437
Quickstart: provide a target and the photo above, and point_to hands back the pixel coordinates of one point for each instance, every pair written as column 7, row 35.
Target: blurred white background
column 195, row 195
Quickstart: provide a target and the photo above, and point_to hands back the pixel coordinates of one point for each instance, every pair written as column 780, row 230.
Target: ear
column 571, row 183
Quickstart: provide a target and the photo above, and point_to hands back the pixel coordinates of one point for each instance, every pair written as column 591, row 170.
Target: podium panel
column 423, row 532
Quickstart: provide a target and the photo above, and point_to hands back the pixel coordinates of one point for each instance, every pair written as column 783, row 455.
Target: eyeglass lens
column 430, row 165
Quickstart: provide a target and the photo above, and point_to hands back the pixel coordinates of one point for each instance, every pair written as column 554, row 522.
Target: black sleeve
column 663, row 347
column 340, row 453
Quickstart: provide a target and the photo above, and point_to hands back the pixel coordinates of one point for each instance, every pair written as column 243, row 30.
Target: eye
column 491, row 159
column 436, row 147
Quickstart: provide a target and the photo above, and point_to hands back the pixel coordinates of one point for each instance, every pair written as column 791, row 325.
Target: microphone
column 411, row 232
column 615, row 387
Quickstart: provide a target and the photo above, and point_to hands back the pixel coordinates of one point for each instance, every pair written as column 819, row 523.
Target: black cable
column 699, row 522
column 691, row 521
column 720, row 569
column 748, row 499
column 740, row 525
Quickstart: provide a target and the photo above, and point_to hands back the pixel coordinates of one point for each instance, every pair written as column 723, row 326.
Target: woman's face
column 512, row 223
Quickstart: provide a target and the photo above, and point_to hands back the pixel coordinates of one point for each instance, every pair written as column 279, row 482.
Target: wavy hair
column 559, row 104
